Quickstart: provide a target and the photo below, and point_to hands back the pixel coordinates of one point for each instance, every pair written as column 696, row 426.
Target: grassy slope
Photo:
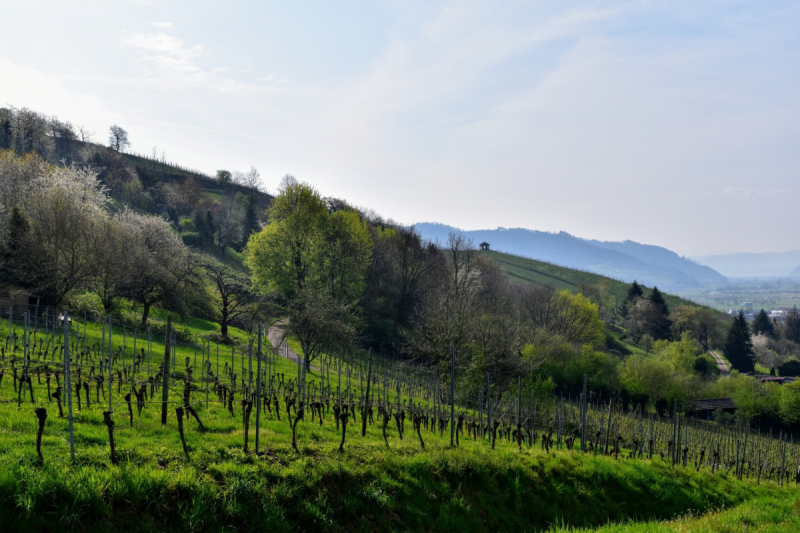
column 763, row 514
column 369, row 488
column 526, row 271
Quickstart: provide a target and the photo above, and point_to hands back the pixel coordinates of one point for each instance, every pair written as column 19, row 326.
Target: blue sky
column 672, row 123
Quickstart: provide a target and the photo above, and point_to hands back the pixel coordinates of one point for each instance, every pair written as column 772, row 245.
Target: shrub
column 192, row 238
column 790, row 368
column 87, row 302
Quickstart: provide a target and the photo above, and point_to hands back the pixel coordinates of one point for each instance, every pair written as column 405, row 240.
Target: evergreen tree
column 660, row 327
column 210, row 225
column 251, row 224
column 634, row 291
column 16, row 248
column 202, row 228
column 739, row 347
column 763, row 325
column 793, row 325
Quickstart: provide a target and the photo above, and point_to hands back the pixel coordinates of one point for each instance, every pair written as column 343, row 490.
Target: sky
column 675, row 123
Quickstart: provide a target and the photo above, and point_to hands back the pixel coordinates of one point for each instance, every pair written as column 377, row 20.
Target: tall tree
column 118, row 138
column 315, row 261
column 763, row 325
column 251, row 224
column 793, row 325
column 282, row 256
column 739, row 346
column 634, row 291
column 158, row 267
column 231, row 293
column 660, row 328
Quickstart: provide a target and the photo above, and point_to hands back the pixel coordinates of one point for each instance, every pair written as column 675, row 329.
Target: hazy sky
column 674, row 123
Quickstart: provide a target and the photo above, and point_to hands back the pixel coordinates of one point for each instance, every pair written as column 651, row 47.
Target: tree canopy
column 739, row 347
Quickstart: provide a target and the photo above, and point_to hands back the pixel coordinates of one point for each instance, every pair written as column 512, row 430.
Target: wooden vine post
column 452, row 395
column 258, row 388
column 165, row 383
column 366, row 396
column 583, row 414
column 68, row 386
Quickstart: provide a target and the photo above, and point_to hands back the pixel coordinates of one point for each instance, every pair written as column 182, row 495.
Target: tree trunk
column 145, row 312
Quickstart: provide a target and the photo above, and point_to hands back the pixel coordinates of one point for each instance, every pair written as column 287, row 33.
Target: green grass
column 526, row 271
column 367, row 488
column 763, row 514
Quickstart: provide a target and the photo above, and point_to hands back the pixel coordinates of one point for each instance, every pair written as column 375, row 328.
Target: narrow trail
column 276, row 334
column 721, row 364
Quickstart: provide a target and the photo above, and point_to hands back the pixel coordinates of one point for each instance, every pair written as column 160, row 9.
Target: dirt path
column 721, row 364
column 276, row 338
column 275, row 334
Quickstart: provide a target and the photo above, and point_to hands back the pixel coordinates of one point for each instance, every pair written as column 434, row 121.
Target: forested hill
column 626, row 261
column 211, row 213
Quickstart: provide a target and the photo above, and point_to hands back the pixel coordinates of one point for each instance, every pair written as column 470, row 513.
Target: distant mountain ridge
column 626, row 261
column 755, row 265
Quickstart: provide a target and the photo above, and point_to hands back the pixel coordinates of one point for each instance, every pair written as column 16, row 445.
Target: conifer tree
column 634, row 291
column 660, row 326
column 251, row 224
column 763, row 325
column 739, row 346
column 793, row 325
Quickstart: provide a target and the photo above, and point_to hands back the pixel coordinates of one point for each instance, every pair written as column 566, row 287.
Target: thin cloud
column 163, row 25
column 743, row 192
column 173, row 64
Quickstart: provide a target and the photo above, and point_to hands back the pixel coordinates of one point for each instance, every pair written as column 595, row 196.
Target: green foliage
column 192, row 238
column 790, row 368
column 679, row 355
column 705, row 367
column 793, row 325
column 635, row 291
column 777, row 512
column 578, row 320
column 84, row 302
column 649, row 378
column 739, row 346
column 284, row 255
column 789, row 400
column 187, row 225
column 659, row 326
column 763, row 324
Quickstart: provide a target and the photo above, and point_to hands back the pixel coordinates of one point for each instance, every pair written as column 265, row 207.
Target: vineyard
column 90, row 396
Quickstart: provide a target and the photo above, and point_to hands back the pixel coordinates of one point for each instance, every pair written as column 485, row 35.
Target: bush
column 192, row 238
column 187, row 226
column 790, row 368
column 87, row 302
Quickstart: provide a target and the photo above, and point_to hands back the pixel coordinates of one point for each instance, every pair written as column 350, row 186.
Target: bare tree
column 118, row 138
column 232, row 292
column 229, row 222
column 320, row 322
column 183, row 197
column 85, row 134
column 250, row 179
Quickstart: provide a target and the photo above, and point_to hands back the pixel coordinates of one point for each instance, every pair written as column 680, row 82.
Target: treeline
column 146, row 184
column 63, row 243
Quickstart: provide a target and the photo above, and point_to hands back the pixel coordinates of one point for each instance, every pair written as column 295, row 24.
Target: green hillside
column 525, row 271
